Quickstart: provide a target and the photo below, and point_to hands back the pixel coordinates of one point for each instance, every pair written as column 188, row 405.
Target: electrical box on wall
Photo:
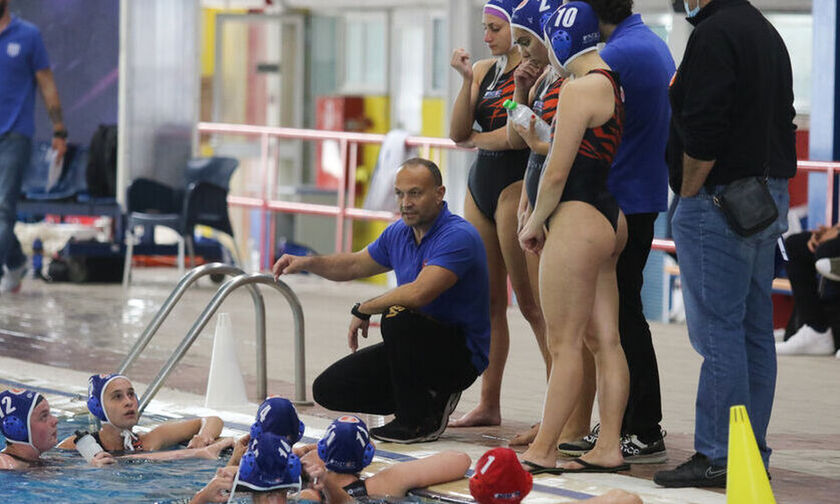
column 335, row 113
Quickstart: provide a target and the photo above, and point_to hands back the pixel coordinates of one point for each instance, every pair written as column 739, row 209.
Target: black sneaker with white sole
column 582, row 445
column 698, row 472
column 636, row 451
column 448, row 408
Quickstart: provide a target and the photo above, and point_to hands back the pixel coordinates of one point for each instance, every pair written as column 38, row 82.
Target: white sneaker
column 837, row 354
column 12, row 279
column 807, row 341
column 829, row 267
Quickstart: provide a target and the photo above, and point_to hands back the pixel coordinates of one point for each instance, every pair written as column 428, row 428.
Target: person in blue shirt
column 435, row 324
column 638, row 180
column 23, row 66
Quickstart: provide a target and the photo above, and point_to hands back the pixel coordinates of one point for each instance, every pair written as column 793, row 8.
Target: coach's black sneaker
column 447, row 404
column 636, row 451
column 396, row 431
column 697, row 472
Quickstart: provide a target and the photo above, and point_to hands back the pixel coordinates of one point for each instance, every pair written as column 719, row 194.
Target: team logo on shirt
column 13, row 49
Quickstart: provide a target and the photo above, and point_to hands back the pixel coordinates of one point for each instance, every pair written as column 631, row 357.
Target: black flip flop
column 587, row 467
column 535, row 469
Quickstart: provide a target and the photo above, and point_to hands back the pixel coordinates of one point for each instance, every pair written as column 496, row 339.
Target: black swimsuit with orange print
column 587, row 180
column 493, row 171
column 545, row 105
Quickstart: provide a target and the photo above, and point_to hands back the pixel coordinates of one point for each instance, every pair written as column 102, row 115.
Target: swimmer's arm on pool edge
column 335, row 267
column 398, row 479
column 171, row 433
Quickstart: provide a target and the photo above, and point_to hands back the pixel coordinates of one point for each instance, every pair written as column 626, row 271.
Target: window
column 798, row 33
column 440, row 56
column 365, row 55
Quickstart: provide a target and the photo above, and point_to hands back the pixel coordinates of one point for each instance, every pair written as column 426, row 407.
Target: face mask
column 690, row 13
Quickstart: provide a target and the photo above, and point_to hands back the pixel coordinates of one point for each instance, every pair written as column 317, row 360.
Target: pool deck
column 55, row 335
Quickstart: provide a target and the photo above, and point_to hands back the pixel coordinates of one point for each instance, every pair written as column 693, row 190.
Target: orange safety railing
column 348, row 149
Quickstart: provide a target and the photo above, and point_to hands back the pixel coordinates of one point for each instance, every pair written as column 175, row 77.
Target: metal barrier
column 223, row 292
column 831, row 169
column 186, row 281
column 241, row 279
column 348, row 148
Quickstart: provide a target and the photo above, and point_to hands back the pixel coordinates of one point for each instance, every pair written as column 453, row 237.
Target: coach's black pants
column 419, row 362
column 644, row 403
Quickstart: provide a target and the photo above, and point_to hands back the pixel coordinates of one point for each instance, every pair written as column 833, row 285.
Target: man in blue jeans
column 732, row 103
column 23, row 65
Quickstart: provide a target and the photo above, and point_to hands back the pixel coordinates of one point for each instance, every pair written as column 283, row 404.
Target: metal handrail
column 186, row 281
column 210, row 310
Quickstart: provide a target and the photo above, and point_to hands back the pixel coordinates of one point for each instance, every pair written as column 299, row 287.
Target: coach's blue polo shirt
column 639, row 176
column 454, row 244
column 22, row 53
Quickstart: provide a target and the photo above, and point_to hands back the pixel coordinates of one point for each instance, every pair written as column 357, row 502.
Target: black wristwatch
column 356, row 313
column 62, row 133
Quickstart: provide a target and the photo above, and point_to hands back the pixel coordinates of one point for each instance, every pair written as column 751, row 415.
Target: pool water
column 66, row 477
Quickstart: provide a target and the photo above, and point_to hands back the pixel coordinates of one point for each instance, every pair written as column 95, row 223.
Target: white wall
column 159, row 89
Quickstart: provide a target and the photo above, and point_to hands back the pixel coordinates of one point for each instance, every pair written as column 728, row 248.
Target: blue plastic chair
column 202, row 201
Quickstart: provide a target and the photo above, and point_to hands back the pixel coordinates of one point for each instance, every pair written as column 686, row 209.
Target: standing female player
column 538, row 84
column 579, row 232
column 495, row 182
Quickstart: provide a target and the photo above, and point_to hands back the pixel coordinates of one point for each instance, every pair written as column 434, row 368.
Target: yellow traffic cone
column 746, row 478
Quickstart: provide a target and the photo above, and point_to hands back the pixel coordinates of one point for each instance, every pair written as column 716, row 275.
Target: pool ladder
column 240, row 278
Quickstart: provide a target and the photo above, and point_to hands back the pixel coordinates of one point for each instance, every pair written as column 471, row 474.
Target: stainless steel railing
column 240, row 280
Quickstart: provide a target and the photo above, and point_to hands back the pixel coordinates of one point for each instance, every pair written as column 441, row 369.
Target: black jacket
column 732, row 97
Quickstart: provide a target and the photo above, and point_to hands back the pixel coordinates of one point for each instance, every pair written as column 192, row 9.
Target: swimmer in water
column 335, row 463
column 263, row 461
column 30, row 429
column 111, row 399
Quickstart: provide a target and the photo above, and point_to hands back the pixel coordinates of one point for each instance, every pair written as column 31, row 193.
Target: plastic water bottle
column 37, row 258
column 87, row 446
column 521, row 115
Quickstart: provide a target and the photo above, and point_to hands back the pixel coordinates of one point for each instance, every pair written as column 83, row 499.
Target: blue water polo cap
column 269, row 464
column 278, row 416
column 531, row 15
column 16, row 407
column 571, row 31
column 346, row 447
column 96, row 388
column 501, row 8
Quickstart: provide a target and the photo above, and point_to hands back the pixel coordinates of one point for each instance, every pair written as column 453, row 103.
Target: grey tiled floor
column 91, row 327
